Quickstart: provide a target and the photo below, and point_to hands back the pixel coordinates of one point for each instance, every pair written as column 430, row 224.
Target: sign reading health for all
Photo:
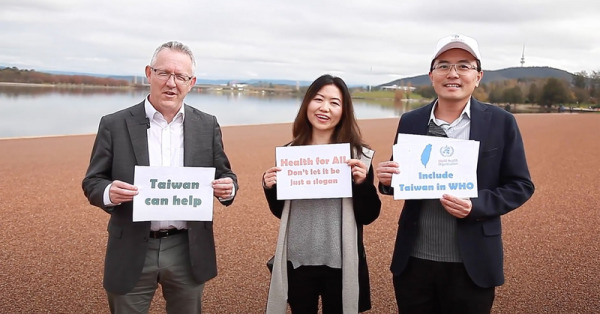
column 313, row 171
column 432, row 166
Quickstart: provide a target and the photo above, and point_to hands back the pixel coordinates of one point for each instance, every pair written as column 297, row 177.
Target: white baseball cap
column 457, row 41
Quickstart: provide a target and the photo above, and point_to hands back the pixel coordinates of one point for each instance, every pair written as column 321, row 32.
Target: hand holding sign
column 385, row 170
column 457, row 207
column 121, row 192
column 359, row 170
column 270, row 177
column 223, row 187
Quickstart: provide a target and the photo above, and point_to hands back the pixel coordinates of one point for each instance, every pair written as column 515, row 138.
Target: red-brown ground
column 52, row 241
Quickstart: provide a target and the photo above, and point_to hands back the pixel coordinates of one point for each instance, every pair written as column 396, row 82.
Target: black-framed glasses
column 461, row 68
column 165, row 76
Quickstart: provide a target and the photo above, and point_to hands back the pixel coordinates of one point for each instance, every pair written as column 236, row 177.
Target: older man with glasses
column 448, row 255
column 159, row 131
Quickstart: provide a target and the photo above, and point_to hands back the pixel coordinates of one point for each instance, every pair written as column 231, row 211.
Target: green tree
column 554, row 92
column 495, row 94
column 595, row 86
column 582, row 95
column 480, row 93
column 580, row 79
column 513, row 95
column 532, row 95
column 426, row 91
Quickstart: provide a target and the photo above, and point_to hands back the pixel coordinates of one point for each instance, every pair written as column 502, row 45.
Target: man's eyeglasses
column 461, row 68
column 165, row 76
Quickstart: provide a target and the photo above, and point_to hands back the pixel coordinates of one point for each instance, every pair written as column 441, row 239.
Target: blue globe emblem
column 447, row 151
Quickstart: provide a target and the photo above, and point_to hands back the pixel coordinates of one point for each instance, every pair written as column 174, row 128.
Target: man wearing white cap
column 448, row 255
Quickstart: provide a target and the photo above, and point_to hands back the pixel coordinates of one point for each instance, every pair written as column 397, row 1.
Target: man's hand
column 457, row 207
column 120, row 192
column 385, row 170
column 223, row 188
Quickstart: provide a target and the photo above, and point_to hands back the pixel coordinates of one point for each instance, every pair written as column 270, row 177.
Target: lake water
column 46, row 111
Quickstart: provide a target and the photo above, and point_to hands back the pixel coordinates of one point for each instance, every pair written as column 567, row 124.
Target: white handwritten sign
column 173, row 193
column 432, row 166
column 313, row 171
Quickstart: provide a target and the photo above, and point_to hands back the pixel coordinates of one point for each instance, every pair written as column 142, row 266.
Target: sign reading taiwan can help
column 432, row 166
column 173, row 193
column 313, row 171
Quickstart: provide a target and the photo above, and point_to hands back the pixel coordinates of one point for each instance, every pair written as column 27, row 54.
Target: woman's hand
column 270, row 177
column 359, row 170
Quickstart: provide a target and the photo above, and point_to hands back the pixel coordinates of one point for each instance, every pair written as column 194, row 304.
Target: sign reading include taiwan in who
column 173, row 193
column 433, row 166
column 313, row 171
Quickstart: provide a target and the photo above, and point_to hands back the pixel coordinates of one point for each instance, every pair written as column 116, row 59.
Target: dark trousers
column 439, row 287
column 307, row 283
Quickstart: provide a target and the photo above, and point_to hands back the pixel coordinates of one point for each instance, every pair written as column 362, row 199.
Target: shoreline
column 222, row 126
column 256, row 124
column 54, row 85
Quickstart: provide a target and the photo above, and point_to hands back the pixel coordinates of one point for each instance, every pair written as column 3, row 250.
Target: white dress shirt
column 459, row 128
column 165, row 149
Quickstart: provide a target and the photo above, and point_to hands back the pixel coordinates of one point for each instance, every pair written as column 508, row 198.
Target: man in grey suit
column 159, row 131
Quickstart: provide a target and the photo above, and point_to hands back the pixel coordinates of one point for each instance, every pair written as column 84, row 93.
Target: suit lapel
column 422, row 124
column 480, row 122
column 190, row 126
column 137, row 125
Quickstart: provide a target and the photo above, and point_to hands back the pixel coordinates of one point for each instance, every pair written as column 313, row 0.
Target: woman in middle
column 320, row 249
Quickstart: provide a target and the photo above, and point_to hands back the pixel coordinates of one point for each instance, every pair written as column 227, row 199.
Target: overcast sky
column 364, row 42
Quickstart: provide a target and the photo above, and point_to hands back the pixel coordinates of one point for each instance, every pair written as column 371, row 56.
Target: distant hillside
column 488, row 76
column 255, row 82
column 277, row 82
column 130, row 78
column 18, row 76
column 493, row 76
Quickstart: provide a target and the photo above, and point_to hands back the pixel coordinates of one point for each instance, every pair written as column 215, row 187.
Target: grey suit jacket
column 122, row 143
